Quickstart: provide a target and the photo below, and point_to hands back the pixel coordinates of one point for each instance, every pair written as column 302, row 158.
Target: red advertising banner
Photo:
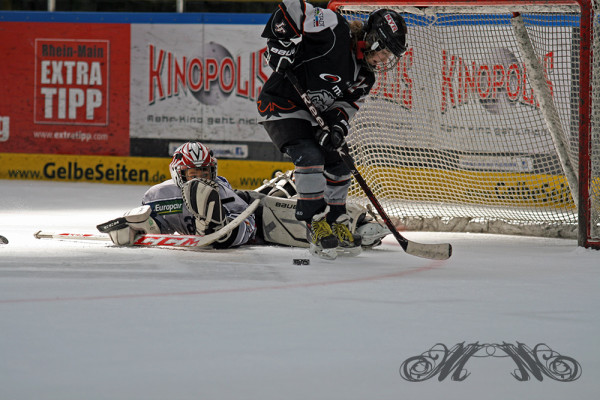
column 64, row 88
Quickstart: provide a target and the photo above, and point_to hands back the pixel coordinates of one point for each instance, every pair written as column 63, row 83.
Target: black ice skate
column 349, row 244
column 322, row 241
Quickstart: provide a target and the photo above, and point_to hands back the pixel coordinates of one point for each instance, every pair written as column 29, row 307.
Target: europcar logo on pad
column 168, row 207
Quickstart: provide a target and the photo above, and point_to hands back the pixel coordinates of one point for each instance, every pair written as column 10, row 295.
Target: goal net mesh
column 454, row 139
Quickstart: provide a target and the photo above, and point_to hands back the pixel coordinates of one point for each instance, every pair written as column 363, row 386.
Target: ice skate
column 323, row 242
column 349, row 244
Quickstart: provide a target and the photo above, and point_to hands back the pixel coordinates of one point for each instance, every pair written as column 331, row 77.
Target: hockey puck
column 3, row 240
column 301, row 261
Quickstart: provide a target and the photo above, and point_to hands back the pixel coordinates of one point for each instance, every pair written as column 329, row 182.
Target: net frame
column 584, row 222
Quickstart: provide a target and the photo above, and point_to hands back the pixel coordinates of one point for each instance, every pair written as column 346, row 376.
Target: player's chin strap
column 440, row 251
column 361, row 45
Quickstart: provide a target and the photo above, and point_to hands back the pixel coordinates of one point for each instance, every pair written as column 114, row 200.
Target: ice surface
column 86, row 320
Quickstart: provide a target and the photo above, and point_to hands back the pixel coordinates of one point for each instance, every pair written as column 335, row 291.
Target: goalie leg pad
column 279, row 223
column 371, row 231
column 201, row 197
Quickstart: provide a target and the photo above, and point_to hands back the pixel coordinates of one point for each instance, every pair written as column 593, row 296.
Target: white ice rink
column 87, row 321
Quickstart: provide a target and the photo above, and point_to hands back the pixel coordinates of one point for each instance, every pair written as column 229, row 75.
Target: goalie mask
column 385, row 30
column 192, row 155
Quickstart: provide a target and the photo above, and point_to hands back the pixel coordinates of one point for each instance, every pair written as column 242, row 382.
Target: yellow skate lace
column 343, row 233
column 320, row 230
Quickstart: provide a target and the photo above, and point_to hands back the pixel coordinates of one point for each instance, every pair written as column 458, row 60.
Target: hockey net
column 484, row 124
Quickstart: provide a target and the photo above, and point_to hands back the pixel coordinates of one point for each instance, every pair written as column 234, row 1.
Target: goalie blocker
column 123, row 231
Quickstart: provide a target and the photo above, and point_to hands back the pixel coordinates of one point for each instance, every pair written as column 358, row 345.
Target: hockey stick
column 161, row 239
column 73, row 236
column 440, row 251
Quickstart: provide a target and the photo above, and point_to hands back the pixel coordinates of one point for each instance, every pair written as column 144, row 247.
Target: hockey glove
column 280, row 54
column 201, row 197
column 335, row 138
column 122, row 231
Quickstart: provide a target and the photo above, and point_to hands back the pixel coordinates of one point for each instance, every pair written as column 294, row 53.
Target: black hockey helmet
column 386, row 29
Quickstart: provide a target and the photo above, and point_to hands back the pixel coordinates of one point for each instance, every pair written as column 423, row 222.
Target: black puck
column 301, row 261
column 3, row 240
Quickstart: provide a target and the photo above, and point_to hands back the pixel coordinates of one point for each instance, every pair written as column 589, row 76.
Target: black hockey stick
column 440, row 251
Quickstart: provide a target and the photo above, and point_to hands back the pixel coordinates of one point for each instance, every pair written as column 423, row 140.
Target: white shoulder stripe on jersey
column 319, row 19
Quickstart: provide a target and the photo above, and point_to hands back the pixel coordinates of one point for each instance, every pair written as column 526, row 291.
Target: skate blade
column 326, row 254
column 348, row 251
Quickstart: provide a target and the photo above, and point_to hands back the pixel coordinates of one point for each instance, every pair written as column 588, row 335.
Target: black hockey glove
column 280, row 54
column 335, row 138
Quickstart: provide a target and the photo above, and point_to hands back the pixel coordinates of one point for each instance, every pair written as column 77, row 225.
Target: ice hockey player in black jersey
column 335, row 62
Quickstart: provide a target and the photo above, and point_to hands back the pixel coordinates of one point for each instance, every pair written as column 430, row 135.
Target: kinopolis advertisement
column 70, row 87
column 64, row 88
column 70, row 81
column 197, row 81
column 479, row 90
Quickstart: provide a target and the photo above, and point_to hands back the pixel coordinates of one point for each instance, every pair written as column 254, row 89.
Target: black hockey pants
column 321, row 176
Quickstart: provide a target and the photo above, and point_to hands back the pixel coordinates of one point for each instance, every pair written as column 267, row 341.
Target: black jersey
column 325, row 64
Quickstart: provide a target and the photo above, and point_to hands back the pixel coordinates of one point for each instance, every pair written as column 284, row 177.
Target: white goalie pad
column 372, row 233
column 279, row 222
column 366, row 226
column 280, row 225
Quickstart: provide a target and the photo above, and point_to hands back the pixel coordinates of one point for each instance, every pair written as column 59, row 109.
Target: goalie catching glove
column 201, row 197
column 122, row 231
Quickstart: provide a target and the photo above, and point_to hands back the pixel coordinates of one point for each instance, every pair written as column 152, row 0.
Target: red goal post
column 491, row 122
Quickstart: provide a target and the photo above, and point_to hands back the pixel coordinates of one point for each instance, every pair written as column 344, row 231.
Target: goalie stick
column 159, row 239
column 435, row 251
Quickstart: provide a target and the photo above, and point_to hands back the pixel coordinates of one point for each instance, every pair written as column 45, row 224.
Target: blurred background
column 233, row 6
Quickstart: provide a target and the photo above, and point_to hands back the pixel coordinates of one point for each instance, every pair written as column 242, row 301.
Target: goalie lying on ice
column 196, row 201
